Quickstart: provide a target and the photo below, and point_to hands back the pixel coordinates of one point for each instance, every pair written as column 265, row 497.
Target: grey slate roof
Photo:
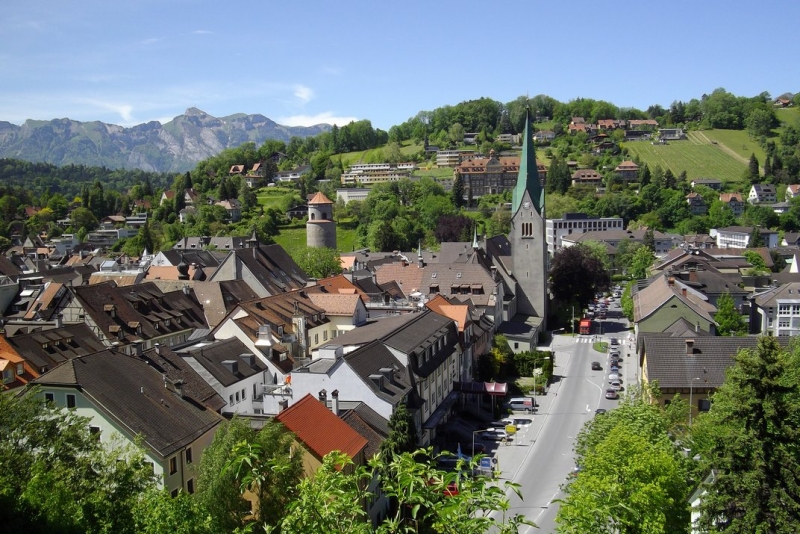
column 132, row 392
column 273, row 268
column 369, row 359
column 62, row 344
column 210, row 357
column 669, row 361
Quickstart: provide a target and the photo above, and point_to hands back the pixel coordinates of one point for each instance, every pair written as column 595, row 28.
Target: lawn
column 697, row 155
column 294, row 238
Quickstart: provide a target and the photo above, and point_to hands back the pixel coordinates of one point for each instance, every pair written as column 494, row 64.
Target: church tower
column 527, row 235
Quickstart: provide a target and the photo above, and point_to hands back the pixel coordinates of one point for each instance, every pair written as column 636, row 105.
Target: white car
column 613, row 377
column 494, row 434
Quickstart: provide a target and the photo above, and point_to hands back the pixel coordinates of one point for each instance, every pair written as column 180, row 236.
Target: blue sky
column 307, row 62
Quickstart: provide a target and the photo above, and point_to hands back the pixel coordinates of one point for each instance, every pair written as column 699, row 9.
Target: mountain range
column 176, row 146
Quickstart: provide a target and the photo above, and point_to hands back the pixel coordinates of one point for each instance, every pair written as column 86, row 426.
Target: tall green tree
column 318, row 262
column 729, row 320
column 749, row 441
column 755, row 239
column 641, row 263
column 633, row 479
column 576, row 274
column 402, row 434
column 753, row 170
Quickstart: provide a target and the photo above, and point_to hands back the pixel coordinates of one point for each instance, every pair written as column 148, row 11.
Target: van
column 521, row 404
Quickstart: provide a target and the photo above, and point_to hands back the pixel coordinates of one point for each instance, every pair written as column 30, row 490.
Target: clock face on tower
column 526, row 205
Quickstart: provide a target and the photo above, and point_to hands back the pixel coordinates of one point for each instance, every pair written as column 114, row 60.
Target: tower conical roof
column 528, row 177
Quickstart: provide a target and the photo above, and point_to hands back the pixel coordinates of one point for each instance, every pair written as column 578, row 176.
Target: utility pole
column 573, row 320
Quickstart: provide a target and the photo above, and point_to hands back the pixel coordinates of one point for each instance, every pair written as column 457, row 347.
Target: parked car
column 600, row 411
column 494, row 434
column 612, row 394
column 615, row 369
column 614, row 342
column 518, row 421
column 616, row 385
column 613, row 377
column 596, row 366
column 521, row 404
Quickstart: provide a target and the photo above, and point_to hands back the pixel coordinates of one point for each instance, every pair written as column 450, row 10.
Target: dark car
column 600, row 411
column 615, row 369
column 596, row 366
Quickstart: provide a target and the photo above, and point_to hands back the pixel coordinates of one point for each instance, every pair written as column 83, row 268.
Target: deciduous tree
column 576, row 274
column 729, row 320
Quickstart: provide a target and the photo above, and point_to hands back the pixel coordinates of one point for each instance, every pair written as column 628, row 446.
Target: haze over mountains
column 176, row 146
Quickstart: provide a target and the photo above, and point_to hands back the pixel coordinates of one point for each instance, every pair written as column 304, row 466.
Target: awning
column 489, row 388
column 444, row 407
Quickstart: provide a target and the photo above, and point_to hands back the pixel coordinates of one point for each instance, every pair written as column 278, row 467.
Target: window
column 244, row 394
column 316, row 339
column 704, row 405
column 230, row 399
column 190, row 486
column 20, row 369
column 174, row 493
column 237, row 396
column 49, row 397
column 188, row 455
column 70, row 401
column 173, row 465
column 254, row 391
column 325, row 335
column 516, row 345
column 95, row 432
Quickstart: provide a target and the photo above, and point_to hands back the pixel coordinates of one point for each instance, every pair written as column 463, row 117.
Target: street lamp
column 473, row 441
column 691, row 388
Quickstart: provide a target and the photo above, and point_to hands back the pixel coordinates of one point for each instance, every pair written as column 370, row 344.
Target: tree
column 749, row 440
column 632, row 478
column 576, row 274
column 426, row 498
column 650, row 240
column 83, row 218
column 456, row 134
column 758, row 265
column 402, row 434
column 49, row 457
column 641, row 263
column 267, row 469
column 755, row 239
column 457, row 193
column 247, row 197
column 318, row 262
column 753, row 170
column 729, row 320
column 157, row 512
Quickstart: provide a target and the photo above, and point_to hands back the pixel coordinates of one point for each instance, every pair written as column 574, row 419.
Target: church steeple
column 528, row 177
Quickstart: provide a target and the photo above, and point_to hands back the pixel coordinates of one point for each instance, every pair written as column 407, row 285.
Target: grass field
column 292, row 239
column 697, row 155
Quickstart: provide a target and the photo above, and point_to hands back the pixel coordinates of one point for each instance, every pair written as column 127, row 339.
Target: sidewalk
column 511, row 455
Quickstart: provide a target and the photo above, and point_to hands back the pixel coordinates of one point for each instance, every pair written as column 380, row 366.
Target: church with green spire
column 527, row 235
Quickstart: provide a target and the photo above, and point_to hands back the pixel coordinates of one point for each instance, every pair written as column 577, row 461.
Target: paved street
column 540, row 458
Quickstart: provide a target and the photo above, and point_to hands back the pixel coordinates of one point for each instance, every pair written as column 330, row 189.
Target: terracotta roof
column 319, row 198
column 338, row 284
column 335, row 304
column 650, row 299
column 320, row 430
column 627, row 166
column 409, row 277
column 728, row 197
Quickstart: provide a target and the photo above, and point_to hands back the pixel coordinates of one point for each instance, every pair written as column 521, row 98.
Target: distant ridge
column 176, row 146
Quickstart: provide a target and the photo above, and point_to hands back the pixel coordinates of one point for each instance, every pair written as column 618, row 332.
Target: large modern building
column 577, row 223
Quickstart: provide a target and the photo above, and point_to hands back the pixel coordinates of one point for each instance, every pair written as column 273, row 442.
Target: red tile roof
column 319, row 429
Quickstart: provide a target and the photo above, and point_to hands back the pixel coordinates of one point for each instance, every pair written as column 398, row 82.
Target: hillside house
column 734, row 202
column 762, row 194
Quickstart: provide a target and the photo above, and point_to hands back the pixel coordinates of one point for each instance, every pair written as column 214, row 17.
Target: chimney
column 335, row 402
column 377, row 379
column 671, row 281
column 264, row 336
column 493, row 270
column 282, row 405
column 683, row 291
column 186, row 290
column 157, row 348
column 232, row 366
column 387, row 374
column 59, row 320
column 690, row 347
column 178, row 387
column 249, row 359
column 323, row 397
column 137, row 345
column 375, row 277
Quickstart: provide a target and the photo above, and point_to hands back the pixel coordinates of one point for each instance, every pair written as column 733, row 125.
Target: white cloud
column 125, row 111
column 202, row 32
column 152, row 40
column 326, row 117
column 303, row 93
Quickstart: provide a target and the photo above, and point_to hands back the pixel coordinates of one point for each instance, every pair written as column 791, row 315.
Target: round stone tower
column 320, row 228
